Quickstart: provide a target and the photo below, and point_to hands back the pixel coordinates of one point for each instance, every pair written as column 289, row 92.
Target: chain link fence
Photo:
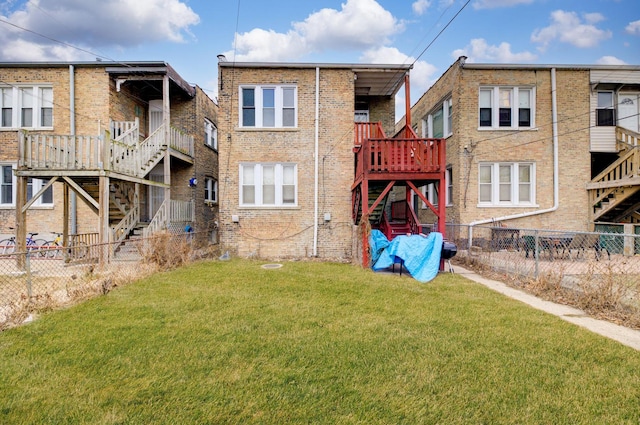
column 47, row 277
column 582, row 268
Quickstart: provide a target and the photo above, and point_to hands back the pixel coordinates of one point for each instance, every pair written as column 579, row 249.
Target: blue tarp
column 421, row 254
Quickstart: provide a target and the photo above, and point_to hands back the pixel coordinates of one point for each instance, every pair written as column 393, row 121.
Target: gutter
column 556, row 183
column 315, row 155
column 72, row 128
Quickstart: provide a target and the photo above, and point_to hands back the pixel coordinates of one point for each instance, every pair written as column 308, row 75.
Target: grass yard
column 232, row 343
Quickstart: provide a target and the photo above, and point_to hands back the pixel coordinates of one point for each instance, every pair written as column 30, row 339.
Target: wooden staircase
column 614, row 194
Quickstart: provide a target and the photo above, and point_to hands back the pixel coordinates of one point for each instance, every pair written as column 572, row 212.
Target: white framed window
column 269, row 106
column 430, row 191
column 506, row 184
column 506, row 107
column 210, row 190
column 8, row 188
column 268, row 184
column 26, row 106
column 605, row 111
column 438, row 123
column 210, row 134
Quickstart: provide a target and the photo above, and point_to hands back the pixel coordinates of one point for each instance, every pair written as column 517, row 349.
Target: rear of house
column 535, row 146
column 287, row 159
column 123, row 140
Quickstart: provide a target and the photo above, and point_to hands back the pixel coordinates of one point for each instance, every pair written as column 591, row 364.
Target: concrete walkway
column 623, row 335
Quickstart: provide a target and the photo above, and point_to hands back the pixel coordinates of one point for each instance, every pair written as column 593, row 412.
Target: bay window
column 438, row 123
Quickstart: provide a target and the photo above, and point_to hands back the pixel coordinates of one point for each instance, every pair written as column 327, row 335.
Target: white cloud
column 567, row 27
column 105, row 23
column 420, row 6
column 633, row 28
column 610, row 60
column 479, row 51
column 492, row 4
column 345, row 29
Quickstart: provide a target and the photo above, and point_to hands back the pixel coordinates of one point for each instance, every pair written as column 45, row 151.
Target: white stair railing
column 120, row 232
column 159, row 222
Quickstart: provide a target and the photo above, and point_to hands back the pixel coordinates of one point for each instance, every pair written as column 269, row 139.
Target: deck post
column 65, row 215
column 103, row 214
column 364, row 222
column 166, row 115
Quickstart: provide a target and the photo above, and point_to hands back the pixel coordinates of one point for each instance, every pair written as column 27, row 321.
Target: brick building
column 102, row 147
column 287, row 153
column 535, row 146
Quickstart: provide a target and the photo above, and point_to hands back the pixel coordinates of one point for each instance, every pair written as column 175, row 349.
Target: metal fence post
column 27, row 265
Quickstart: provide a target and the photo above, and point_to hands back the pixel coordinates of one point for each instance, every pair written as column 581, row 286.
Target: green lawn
column 230, row 342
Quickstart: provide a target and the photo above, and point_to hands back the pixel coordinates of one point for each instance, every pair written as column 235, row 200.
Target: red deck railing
column 404, row 154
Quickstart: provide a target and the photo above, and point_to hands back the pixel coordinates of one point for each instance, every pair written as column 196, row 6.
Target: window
column 8, row 188
column 506, row 184
column 431, row 190
column 210, row 190
column 268, row 106
column 605, row 112
column 438, row 123
column 34, row 186
column 6, row 100
column 268, row 184
column 210, row 134
column 514, row 107
column 26, row 107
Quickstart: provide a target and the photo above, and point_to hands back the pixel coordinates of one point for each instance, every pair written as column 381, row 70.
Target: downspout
column 72, row 128
column 315, row 154
column 556, row 183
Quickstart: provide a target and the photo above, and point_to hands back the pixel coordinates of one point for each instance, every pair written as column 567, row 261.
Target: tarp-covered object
column 420, row 254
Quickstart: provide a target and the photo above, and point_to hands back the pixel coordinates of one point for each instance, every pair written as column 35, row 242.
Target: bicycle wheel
column 38, row 247
column 7, row 246
column 79, row 250
column 52, row 250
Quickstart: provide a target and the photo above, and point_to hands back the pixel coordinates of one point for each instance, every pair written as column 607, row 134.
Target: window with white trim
column 430, row 191
column 506, row 107
column 269, row 184
column 26, row 107
column 210, row 134
column 8, row 188
column 605, row 111
column 268, row 106
column 506, row 183
column 210, row 190
column 438, row 123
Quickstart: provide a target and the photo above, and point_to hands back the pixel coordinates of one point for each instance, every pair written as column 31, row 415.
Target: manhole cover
column 271, row 266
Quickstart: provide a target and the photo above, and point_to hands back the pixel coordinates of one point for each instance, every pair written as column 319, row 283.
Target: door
column 155, row 115
column 628, row 111
column 156, row 194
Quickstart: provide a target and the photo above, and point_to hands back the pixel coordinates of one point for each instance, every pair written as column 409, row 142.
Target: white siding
column 603, row 139
column 613, row 76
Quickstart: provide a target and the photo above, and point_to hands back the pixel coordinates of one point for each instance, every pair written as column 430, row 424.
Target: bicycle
column 54, row 248
column 8, row 246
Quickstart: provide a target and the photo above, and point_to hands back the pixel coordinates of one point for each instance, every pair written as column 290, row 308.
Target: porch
column 107, row 173
column 382, row 163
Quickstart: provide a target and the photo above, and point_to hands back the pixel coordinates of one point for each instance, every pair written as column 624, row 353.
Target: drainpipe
column 315, row 154
column 72, row 128
column 556, row 183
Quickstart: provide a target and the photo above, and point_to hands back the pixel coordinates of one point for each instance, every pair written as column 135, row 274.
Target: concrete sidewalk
column 623, row 335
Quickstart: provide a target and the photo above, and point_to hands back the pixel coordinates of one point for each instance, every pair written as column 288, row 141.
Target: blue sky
column 430, row 34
